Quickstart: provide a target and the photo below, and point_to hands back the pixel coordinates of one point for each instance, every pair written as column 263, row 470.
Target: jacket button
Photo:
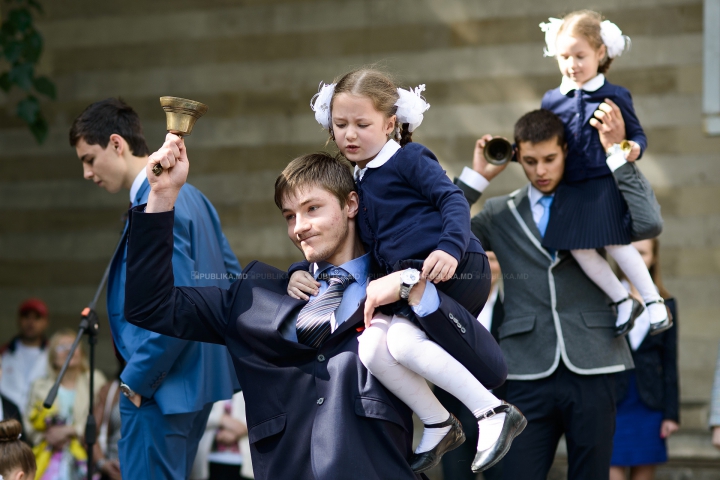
column 452, row 317
column 321, row 358
column 462, row 329
column 320, row 400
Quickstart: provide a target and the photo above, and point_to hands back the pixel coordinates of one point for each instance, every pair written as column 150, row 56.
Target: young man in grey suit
column 557, row 336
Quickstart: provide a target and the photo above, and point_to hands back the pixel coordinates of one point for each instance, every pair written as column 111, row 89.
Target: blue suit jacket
column 311, row 413
column 181, row 376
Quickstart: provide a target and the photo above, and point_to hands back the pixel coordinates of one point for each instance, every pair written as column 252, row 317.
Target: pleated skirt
column 588, row 214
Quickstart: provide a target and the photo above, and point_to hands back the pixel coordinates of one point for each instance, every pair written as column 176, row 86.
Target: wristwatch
column 409, row 279
column 127, row 391
column 622, row 148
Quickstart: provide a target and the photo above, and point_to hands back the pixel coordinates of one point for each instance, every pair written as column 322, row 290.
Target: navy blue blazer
column 181, row 376
column 311, row 413
column 656, row 371
column 586, row 156
column 409, row 208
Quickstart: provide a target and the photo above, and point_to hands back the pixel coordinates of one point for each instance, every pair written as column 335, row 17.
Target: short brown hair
column 539, row 126
column 333, row 173
column 586, row 24
column 14, row 453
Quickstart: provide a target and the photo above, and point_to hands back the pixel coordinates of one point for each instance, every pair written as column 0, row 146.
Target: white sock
column 411, row 347
column 405, row 384
column 598, row 270
column 490, row 429
column 632, row 264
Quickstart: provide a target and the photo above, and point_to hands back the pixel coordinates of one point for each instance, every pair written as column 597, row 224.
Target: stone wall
column 257, row 63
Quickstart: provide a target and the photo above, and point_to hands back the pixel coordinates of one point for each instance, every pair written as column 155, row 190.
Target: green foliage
column 20, row 48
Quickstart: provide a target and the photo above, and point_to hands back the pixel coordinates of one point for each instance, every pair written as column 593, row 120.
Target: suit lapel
column 519, row 204
column 522, row 203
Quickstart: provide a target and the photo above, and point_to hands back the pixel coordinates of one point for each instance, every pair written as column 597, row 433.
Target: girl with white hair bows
column 411, row 218
column 588, row 212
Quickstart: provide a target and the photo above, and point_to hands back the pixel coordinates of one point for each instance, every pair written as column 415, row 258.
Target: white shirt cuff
column 616, row 161
column 474, row 180
column 429, row 302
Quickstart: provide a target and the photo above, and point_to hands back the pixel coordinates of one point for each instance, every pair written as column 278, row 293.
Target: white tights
column 632, row 264
column 401, row 357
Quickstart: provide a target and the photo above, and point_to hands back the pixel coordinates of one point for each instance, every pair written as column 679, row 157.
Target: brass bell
column 181, row 115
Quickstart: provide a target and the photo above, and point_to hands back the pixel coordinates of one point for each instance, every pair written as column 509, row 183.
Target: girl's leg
column 617, row 473
column 405, row 384
column 642, row 472
column 411, row 347
column 599, row 271
column 632, row 264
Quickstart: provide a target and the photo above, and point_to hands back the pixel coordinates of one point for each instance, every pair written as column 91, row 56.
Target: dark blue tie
column 313, row 322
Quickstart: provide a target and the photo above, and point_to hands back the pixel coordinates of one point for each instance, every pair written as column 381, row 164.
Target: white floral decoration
column 320, row 104
column 551, row 28
column 613, row 38
column 411, row 106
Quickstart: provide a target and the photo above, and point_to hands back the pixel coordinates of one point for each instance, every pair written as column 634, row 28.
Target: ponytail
column 405, row 135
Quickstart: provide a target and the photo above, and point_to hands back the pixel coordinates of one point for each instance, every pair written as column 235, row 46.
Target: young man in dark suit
column 557, row 335
column 313, row 410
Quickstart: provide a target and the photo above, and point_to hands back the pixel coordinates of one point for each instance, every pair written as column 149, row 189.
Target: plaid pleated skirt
column 588, row 214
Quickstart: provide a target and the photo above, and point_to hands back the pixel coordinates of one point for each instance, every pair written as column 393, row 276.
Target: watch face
column 410, row 276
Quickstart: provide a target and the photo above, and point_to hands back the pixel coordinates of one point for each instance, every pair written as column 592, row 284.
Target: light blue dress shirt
column 354, row 294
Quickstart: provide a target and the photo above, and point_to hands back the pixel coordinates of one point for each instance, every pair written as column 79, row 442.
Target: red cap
column 33, row 305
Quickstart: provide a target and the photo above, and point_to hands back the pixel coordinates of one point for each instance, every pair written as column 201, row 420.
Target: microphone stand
column 88, row 325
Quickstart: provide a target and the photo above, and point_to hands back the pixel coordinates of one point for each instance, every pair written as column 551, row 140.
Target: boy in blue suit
column 169, row 384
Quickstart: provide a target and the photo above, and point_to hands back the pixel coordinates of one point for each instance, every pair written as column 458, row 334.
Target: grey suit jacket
column 553, row 310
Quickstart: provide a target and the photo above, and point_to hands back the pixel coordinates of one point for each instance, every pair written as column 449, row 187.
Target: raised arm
column 151, row 299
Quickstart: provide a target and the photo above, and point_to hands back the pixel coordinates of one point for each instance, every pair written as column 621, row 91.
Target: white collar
column 137, row 183
column 535, row 195
column 385, row 154
column 567, row 85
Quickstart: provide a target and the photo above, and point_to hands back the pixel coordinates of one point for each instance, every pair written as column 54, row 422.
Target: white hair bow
column 613, row 38
column 320, row 104
column 551, row 28
column 615, row 42
column 411, row 106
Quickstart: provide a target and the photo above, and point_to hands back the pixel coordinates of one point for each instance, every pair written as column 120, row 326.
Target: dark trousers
column 580, row 406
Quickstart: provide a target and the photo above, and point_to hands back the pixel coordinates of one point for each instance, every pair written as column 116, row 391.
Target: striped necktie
column 313, row 322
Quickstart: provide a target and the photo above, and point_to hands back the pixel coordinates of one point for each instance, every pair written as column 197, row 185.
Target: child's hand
column 634, row 152
column 439, row 266
column 302, row 285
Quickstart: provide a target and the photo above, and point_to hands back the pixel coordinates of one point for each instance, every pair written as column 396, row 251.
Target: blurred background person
column 224, row 450
column 16, row 459
column 107, row 416
column 8, row 408
column 24, row 358
column 456, row 463
column 715, row 406
column 57, row 431
column 648, row 396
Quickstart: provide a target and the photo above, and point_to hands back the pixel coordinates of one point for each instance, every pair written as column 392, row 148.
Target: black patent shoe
column 635, row 312
column 667, row 323
column 420, row 462
column 513, row 426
